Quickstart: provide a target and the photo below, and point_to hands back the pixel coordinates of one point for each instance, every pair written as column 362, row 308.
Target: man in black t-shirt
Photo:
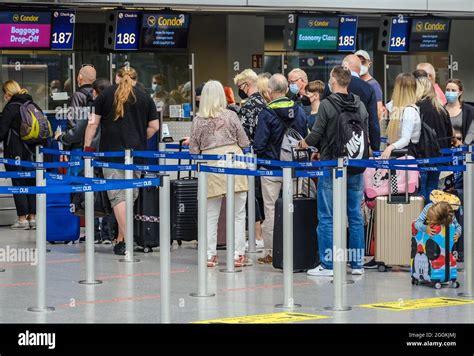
column 126, row 123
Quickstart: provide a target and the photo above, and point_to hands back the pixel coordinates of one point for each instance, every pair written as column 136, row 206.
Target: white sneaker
column 259, row 244
column 320, row 271
column 20, row 225
column 357, row 271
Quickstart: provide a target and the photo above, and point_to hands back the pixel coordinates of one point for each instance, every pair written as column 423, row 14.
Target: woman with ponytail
column 13, row 147
column 127, row 118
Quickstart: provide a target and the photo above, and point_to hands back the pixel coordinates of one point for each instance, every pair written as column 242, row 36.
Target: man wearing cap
column 365, row 75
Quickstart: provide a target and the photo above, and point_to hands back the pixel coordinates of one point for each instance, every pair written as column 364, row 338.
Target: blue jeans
column 355, row 189
column 428, row 182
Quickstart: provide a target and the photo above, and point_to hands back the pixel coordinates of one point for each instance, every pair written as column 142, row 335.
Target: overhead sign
column 127, row 30
column 25, row 29
column 164, row 31
column 62, row 34
column 317, row 33
column 399, row 34
column 347, row 34
column 430, row 34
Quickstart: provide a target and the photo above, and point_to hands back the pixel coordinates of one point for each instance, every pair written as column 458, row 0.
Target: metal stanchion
column 202, row 236
column 165, row 253
column 129, row 213
column 89, row 216
column 339, row 255
column 40, row 240
column 251, row 204
column 468, row 227
column 230, row 219
column 288, row 210
column 343, row 226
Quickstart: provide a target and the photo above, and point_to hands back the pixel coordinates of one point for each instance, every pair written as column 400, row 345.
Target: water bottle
column 59, row 131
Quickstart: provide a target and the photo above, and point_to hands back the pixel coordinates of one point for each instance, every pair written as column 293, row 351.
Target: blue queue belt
column 18, row 175
column 50, row 151
column 401, row 166
column 146, row 167
column 39, row 165
column 261, row 173
column 67, row 189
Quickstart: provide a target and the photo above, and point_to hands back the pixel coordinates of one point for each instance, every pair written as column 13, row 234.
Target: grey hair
column 278, row 83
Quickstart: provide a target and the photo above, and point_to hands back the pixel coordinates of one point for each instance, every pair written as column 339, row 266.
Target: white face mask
column 364, row 70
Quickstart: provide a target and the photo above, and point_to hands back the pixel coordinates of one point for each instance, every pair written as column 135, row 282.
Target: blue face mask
column 451, row 96
column 294, row 89
column 156, row 87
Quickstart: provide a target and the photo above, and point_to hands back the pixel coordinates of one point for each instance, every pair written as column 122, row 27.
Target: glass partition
column 316, row 66
column 165, row 76
column 45, row 74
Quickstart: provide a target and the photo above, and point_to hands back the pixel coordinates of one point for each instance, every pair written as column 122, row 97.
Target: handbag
column 102, row 206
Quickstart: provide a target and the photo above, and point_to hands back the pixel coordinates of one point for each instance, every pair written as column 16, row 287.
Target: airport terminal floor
column 130, row 292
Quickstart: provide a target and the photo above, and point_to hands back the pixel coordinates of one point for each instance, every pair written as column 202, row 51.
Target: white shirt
column 410, row 127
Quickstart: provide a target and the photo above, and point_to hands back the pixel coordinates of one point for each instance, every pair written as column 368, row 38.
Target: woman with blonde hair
column 128, row 118
column 13, row 147
column 262, row 86
column 217, row 130
column 404, row 127
column 436, row 117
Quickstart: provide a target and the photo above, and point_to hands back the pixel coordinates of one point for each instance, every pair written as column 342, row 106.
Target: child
column 436, row 214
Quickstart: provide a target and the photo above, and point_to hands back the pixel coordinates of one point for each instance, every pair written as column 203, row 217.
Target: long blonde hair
column 425, row 90
column 404, row 94
column 213, row 101
column 262, row 86
column 11, row 87
column 128, row 76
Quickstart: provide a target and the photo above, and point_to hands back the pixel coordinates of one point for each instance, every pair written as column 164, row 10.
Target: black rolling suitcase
column 146, row 223
column 305, row 241
column 184, row 207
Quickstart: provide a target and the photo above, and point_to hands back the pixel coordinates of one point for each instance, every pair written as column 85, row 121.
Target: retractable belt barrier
column 455, row 160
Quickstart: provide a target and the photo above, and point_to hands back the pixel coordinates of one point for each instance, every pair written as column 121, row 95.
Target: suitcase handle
column 390, row 198
column 179, row 160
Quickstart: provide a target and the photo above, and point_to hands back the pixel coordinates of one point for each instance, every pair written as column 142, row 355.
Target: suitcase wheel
column 438, row 285
column 454, row 284
column 415, row 281
column 147, row 250
column 382, row 268
column 180, row 242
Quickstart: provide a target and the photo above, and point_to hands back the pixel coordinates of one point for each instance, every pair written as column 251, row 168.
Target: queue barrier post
column 129, row 213
column 40, row 240
column 230, row 219
column 89, row 217
column 165, row 246
column 288, row 210
column 468, row 228
column 202, row 235
column 339, row 254
column 251, row 203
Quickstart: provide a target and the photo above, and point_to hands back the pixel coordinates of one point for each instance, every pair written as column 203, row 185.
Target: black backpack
column 428, row 144
column 351, row 141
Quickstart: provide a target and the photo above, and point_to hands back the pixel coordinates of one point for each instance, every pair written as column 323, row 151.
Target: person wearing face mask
column 430, row 70
column 246, row 82
column 365, row 75
column 461, row 114
column 298, row 80
column 160, row 96
column 314, row 91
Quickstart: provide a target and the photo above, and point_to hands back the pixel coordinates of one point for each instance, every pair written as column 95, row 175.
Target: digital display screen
column 399, row 34
column 347, row 34
column 317, row 33
column 127, row 30
column 25, row 29
column 62, row 34
column 429, row 34
column 164, row 31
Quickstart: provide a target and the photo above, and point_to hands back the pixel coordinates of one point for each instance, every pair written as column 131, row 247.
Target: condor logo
column 25, row 18
column 430, row 26
column 355, row 146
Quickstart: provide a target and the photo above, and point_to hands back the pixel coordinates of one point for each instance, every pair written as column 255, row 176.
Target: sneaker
column 20, row 225
column 97, row 240
column 320, row 271
column 242, row 261
column 212, row 262
column 267, row 260
column 106, row 242
column 371, row 264
column 120, row 249
column 82, row 239
column 357, row 271
column 32, row 224
column 259, row 244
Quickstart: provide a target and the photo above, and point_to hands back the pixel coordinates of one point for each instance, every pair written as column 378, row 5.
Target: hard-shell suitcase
column 146, row 224
column 432, row 260
column 393, row 218
column 61, row 223
column 184, row 206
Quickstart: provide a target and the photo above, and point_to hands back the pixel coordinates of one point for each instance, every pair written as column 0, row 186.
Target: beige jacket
column 216, row 183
